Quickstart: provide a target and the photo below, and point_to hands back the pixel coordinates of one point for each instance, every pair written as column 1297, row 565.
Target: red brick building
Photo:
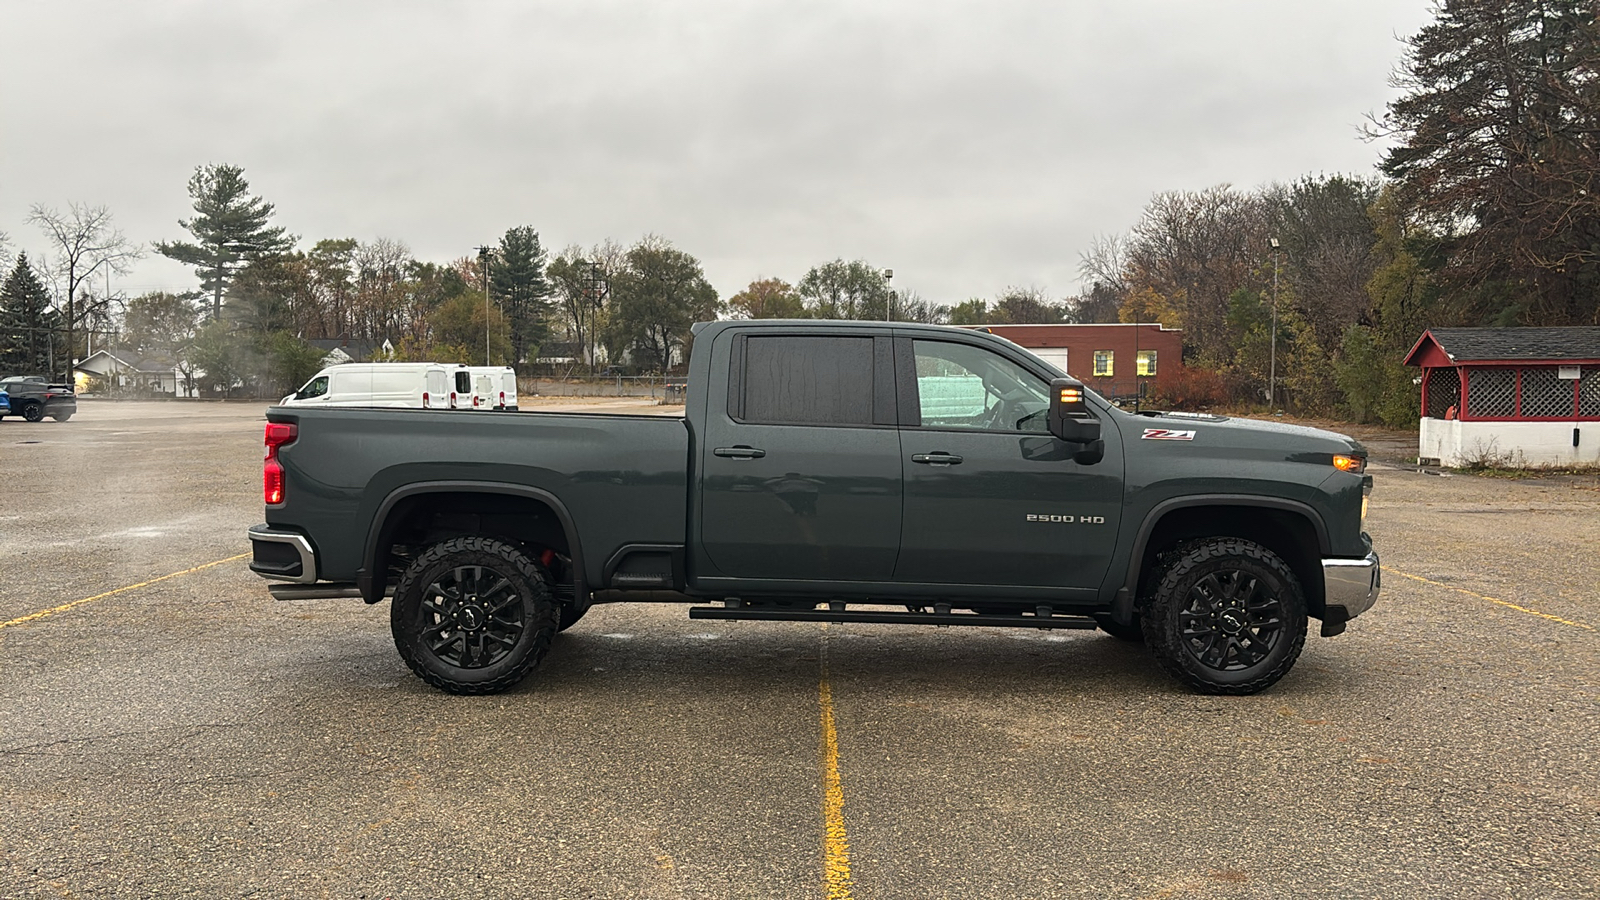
column 1120, row 360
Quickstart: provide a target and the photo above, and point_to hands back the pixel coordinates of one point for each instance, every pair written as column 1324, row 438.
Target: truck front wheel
column 33, row 412
column 473, row 615
column 1228, row 617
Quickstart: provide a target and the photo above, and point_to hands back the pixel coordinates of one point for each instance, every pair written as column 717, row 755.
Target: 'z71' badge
column 1166, row 434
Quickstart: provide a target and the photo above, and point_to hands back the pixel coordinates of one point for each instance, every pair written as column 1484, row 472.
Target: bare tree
column 86, row 243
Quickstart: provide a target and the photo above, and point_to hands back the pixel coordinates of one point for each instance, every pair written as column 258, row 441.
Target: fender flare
column 370, row 585
column 1122, row 606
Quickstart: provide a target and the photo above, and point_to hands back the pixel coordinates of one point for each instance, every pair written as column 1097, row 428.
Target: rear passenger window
column 463, row 381
column 808, row 380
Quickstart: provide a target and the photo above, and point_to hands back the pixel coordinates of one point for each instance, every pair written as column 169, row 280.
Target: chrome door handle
column 936, row 458
column 739, row 451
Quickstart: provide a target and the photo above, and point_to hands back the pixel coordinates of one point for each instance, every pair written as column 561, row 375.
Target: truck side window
column 812, row 380
column 965, row 387
column 316, row 387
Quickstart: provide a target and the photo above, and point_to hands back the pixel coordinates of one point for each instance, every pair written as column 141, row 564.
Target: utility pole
column 483, row 263
column 1272, row 376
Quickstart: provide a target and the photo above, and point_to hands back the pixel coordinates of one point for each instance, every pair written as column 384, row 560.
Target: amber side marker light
column 1071, row 395
column 1349, row 463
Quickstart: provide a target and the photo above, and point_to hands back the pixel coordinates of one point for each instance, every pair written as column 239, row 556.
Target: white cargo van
column 390, row 385
column 493, row 387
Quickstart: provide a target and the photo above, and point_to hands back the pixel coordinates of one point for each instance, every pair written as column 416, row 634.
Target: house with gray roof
column 1518, row 396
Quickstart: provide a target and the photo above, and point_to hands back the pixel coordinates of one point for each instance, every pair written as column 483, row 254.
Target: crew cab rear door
column 990, row 496
column 801, row 475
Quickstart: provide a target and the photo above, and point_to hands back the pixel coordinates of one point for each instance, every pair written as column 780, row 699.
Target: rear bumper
column 282, row 555
column 1350, row 586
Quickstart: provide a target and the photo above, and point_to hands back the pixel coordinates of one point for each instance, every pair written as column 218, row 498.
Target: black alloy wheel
column 473, row 615
column 1230, row 622
column 33, row 412
column 1228, row 617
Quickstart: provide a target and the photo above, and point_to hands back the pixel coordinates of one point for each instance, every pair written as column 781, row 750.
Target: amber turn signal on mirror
column 1349, row 463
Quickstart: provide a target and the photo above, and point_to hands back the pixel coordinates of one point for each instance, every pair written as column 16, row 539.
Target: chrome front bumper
column 1351, row 584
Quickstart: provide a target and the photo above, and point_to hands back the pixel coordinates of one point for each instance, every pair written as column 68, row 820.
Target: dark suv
column 33, row 398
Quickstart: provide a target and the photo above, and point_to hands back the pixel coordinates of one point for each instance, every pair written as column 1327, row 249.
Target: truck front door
column 801, row 463
column 990, row 496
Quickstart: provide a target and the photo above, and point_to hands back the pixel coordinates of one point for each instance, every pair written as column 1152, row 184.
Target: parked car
column 829, row 472
column 390, row 385
column 5, row 402
column 33, row 397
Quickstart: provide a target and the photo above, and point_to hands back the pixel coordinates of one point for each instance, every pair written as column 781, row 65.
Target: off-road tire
column 1133, row 634
column 33, row 412
column 451, row 593
column 1228, row 591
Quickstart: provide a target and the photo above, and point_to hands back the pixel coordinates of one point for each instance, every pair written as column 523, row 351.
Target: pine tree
column 517, row 282
column 1497, row 148
column 27, row 323
column 230, row 230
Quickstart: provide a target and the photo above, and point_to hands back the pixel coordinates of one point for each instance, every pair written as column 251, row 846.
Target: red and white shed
column 1519, row 395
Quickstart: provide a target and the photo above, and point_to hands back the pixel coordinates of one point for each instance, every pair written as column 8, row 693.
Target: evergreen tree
column 1497, row 149
column 230, row 229
column 517, row 282
column 27, row 323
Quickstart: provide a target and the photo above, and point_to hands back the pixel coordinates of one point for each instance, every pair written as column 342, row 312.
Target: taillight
column 502, row 399
column 452, row 399
column 424, row 399
column 474, row 401
column 277, row 435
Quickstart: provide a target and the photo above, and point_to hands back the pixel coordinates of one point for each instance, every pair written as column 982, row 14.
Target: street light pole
column 483, row 263
column 1272, row 376
column 888, row 302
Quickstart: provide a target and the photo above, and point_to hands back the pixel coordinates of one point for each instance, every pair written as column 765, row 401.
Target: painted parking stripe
column 132, row 587
column 1524, row 609
column 835, row 840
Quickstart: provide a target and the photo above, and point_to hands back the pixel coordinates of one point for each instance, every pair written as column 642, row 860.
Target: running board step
column 322, row 590
column 890, row 618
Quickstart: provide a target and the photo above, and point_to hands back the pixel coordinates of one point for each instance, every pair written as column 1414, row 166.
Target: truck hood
column 1233, row 431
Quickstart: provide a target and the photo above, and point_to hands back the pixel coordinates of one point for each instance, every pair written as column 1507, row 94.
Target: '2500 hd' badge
column 1166, row 434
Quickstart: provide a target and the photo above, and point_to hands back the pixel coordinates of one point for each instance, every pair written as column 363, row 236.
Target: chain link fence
column 668, row 388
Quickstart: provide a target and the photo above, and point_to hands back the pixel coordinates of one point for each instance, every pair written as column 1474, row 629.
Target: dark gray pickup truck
column 828, row 472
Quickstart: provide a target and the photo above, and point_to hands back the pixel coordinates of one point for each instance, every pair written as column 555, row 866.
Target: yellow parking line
column 1531, row 612
column 132, row 587
column 835, row 842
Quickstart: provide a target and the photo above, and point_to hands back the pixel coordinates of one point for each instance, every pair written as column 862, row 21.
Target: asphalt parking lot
column 166, row 729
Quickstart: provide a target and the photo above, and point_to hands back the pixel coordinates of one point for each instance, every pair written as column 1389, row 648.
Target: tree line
column 1483, row 210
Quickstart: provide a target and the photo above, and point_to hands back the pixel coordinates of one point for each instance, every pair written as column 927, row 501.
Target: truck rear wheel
column 1228, row 617
column 473, row 615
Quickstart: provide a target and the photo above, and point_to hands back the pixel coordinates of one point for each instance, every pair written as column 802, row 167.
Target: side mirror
column 1070, row 419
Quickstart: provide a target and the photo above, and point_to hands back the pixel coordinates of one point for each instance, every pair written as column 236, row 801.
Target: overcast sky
column 968, row 146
